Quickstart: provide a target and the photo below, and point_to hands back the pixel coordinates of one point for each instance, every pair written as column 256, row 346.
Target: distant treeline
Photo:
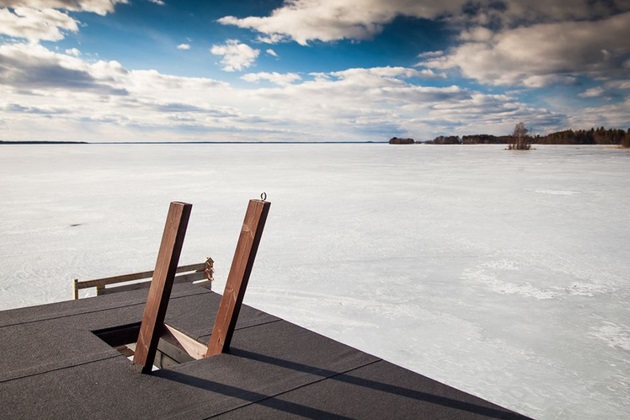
column 599, row 135
column 592, row 136
column 398, row 140
column 40, row 142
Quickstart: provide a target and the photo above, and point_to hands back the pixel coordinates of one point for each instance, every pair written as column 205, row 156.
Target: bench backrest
column 198, row 273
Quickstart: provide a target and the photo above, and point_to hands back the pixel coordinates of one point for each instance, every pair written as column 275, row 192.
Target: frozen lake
column 505, row 274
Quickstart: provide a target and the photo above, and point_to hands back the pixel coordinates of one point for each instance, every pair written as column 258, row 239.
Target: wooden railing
column 200, row 273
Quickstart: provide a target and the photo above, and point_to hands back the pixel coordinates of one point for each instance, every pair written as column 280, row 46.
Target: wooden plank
column 184, row 278
column 124, row 288
column 170, row 348
column 162, row 284
column 134, row 276
column 194, row 348
column 125, row 351
column 236, row 284
column 193, row 273
column 190, row 277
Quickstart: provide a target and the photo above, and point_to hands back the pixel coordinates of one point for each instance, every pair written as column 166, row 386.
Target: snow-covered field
column 506, row 274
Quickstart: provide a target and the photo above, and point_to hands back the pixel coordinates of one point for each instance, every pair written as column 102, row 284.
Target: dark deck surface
column 54, row 366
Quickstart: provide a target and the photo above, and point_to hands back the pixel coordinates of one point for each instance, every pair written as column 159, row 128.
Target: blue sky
column 309, row 70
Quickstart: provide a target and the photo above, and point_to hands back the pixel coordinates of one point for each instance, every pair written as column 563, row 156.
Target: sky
column 309, row 70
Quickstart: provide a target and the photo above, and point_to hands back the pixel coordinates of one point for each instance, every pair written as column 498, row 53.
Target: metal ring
column 263, row 196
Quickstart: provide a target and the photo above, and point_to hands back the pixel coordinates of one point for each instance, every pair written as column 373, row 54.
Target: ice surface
column 503, row 273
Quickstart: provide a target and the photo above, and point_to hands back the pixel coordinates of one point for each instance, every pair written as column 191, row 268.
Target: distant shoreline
column 40, row 142
column 189, row 142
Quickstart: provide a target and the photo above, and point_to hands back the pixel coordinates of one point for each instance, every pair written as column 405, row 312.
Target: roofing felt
column 54, row 366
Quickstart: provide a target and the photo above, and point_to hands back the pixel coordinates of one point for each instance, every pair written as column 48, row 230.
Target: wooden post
column 240, row 270
column 161, row 285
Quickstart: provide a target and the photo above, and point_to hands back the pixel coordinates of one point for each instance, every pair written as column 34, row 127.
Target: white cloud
column 48, row 95
column 431, row 54
column 183, row 47
column 45, row 110
column 34, row 24
column 329, row 20
column 269, row 39
column 355, row 103
column 236, row 56
column 517, row 12
column 593, row 92
column 541, row 53
column 613, row 115
column 478, row 33
column 618, row 84
column 102, row 99
column 277, row 78
column 377, row 76
column 158, row 2
column 47, row 20
column 537, row 81
column 33, row 68
column 101, row 7
column 73, row 52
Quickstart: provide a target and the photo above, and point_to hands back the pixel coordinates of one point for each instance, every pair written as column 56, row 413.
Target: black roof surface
column 54, row 366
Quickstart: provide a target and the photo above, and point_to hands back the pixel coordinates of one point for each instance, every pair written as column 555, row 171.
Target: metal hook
column 263, row 196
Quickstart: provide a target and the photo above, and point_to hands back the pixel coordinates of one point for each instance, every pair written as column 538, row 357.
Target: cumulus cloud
column 183, row 47
column 47, row 20
column 102, row 100
column 505, row 42
column 542, row 54
column 513, row 13
column 46, row 110
column 376, row 78
column 618, row 84
column 356, row 102
column 329, row 20
column 593, row 92
column 497, row 43
column 538, row 81
column 277, row 78
column 73, row 52
column 31, row 67
column 610, row 115
column 478, row 33
column 187, row 108
column 34, row 24
column 236, row 55
column 105, row 101
column 101, row 7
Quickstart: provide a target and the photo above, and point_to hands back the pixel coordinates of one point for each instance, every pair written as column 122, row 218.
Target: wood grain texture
column 161, row 285
column 134, row 276
column 236, row 284
column 195, row 272
column 192, row 347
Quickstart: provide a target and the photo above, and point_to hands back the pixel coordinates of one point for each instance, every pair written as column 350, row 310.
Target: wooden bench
column 194, row 273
